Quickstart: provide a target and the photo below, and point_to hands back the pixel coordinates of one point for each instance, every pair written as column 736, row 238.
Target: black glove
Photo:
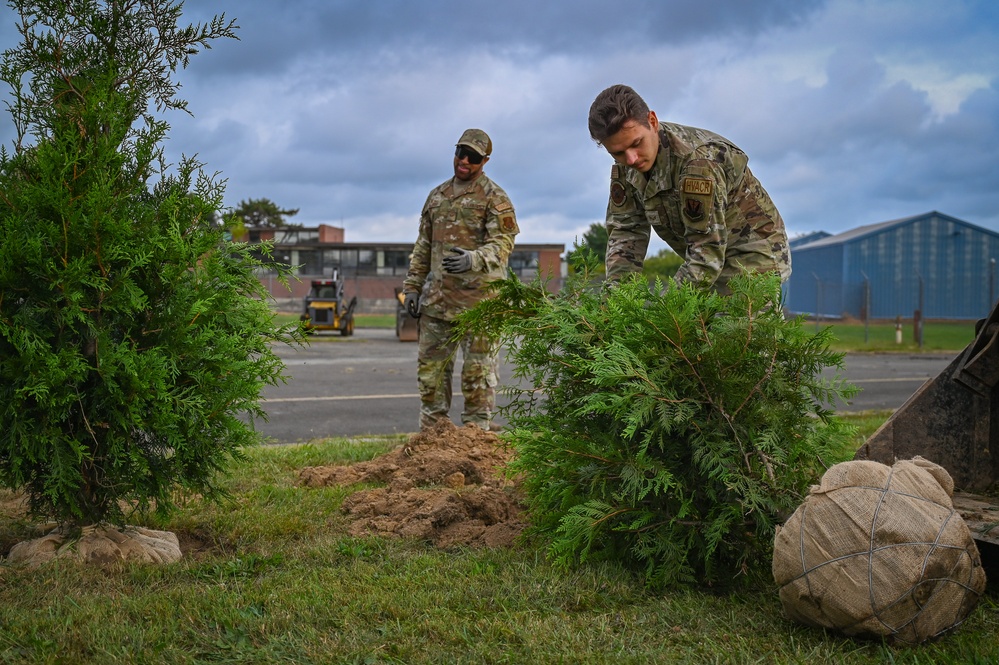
column 462, row 262
column 412, row 304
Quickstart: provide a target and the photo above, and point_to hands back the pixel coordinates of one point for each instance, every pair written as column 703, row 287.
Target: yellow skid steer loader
column 325, row 308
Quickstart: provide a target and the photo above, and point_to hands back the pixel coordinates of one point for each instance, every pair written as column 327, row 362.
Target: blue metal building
column 807, row 238
column 934, row 263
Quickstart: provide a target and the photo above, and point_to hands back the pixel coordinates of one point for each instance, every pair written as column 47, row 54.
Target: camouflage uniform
column 477, row 217
column 702, row 199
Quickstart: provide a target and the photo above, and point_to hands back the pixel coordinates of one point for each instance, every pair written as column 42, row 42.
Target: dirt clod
column 444, row 485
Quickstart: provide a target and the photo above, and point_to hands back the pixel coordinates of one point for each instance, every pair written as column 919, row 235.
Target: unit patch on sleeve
column 693, row 209
column 508, row 224
column 617, row 193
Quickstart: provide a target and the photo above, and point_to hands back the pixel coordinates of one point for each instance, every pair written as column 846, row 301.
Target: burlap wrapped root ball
column 879, row 551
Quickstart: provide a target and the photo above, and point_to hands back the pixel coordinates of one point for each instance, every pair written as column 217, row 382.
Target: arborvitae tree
column 669, row 429
column 133, row 337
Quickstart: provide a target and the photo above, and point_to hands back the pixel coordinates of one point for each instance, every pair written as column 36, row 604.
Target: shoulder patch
column 617, row 193
column 508, row 224
column 504, row 206
column 698, row 186
column 693, row 209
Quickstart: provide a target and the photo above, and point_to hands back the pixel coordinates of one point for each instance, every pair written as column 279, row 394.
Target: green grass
column 866, row 422
column 274, row 578
column 937, row 336
column 879, row 337
column 374, row 320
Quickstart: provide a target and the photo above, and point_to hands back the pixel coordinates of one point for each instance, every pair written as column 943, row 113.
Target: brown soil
column 444, row 485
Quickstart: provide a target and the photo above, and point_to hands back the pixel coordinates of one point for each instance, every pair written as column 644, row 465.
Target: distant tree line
column 258, row 214
column 663, row 264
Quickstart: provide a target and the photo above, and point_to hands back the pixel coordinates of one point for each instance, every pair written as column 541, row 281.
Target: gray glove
column 412, row 304
column 462, row 262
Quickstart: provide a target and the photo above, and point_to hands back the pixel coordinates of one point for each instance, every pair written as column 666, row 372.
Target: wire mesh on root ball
column 879, row 551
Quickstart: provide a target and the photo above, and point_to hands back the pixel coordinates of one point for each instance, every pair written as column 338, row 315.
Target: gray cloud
column 852, row 111
column 310, row 28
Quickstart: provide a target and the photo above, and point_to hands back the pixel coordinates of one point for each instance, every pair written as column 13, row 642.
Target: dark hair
column 612, row 108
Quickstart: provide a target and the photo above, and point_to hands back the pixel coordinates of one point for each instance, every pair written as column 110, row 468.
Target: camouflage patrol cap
column 477, row 140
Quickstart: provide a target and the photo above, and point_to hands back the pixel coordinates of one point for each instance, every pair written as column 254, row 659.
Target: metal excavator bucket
column 407, row 328
column 953, row 420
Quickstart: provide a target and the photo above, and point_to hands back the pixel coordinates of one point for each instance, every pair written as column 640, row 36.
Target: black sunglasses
column 462, row 152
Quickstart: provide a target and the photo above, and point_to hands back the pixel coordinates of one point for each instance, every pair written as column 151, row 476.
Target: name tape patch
column 697, row 186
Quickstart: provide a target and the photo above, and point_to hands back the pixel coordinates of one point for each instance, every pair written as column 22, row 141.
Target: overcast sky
column 852, row 112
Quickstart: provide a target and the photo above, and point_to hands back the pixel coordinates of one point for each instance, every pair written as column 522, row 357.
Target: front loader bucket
column 407, row 328
column 953, row 419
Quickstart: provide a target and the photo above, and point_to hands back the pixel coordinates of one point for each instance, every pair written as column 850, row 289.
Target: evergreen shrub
column 134, row 338
column 669, row 429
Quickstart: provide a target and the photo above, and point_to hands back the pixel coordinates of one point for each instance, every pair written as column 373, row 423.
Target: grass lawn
column 276, row 579
column 880, row 337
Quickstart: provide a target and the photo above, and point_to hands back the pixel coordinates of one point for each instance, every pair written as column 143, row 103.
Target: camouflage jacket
column 702, row 199
column 481, row 219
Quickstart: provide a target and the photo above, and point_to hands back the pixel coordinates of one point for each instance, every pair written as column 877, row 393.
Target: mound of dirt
column 444, row 485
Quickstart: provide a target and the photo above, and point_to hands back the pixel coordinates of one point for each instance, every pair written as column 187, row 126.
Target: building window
column 366, row 262
column 393, row 262
column 395, row 258
column 293, row 236
column 311, row 261
column 523, row 260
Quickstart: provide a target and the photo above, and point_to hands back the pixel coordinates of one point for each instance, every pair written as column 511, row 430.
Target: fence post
column 818, row 299
column 917, row 319
column 867, row 304
column 992, row 282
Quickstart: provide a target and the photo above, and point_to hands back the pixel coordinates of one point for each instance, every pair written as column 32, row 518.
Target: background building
column 371, row 271
column 807, row 238
column 933, row 263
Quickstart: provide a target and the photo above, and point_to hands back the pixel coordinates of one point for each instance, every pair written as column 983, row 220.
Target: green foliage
column 261, row 213
column 132, row 336
column 670, row 430
column 594, row 243
column 663, row 265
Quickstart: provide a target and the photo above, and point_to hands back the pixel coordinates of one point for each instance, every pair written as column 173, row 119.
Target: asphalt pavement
column 366, row 385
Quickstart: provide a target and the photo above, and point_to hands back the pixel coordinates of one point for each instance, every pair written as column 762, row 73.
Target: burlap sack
column 879, row 551
column 99, row 545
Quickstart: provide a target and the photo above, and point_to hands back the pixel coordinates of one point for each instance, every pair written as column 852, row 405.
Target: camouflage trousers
column 435, row 369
